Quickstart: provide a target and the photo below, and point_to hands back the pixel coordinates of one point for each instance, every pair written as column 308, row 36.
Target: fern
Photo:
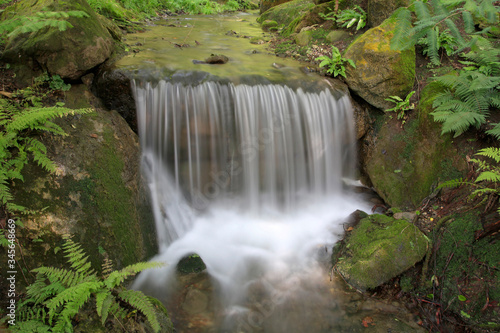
column 435, row 15
column 467, row 100
column 18, row 145
column 59, row 294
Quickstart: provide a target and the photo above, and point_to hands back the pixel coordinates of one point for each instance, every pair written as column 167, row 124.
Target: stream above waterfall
column 251, row 167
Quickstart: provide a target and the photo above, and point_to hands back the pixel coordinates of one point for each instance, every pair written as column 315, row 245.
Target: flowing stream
column 252, row 176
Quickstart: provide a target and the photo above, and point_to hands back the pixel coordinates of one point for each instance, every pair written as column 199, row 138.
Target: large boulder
column 406, row 163
column 96, row 193
column 378, row 249
column 380, row 10
column 380, row 71
column 70, row 53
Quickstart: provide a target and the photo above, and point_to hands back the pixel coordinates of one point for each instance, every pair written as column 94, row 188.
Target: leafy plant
column 336, row 63
column 402, row 105
column 444, row 41
column 349, row 17
column 487, row 183
column 434, row 13
column 59, row 294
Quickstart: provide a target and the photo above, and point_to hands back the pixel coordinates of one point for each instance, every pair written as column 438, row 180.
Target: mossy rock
column 378, row 249
column 96, row 193
column 287, row 14
column 303, row 38
column 267, row 25
column 380, row 72
column 70, row 53
column 406, row 163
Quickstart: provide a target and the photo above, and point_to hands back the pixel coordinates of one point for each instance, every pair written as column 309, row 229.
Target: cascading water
column 250, row 178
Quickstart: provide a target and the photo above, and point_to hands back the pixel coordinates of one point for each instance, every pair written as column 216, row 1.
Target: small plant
column 402, row 105
column 443, row 41
column 349, row 17
column 59, row 294
column 336, row 63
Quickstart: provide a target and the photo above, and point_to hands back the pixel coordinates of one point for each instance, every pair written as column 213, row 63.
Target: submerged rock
column 378, row 249
column 70, row 53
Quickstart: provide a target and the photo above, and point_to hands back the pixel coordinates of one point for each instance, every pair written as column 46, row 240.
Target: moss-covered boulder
column 406, row 163
column 95, row 195
column 379, row 10
column 70, row 53
column 378, row 249
column 380, row 72
column 267, row 4
column 287, row 15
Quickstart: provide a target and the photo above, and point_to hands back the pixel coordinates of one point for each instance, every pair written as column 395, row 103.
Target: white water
column 249, row 178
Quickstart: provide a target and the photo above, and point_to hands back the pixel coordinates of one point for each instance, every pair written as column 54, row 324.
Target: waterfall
column 250, row 177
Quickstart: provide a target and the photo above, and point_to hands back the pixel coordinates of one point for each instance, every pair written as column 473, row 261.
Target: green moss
column 465, row 266
column 379, row 249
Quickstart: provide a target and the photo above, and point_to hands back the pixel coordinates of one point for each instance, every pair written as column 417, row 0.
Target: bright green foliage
column 347, row 18
column 444, row 41
column 127, row 9
column 58, row 294
column 402, row 105
column 27, row 24
column 471, row 94
column 335, row 64
column 434, row 14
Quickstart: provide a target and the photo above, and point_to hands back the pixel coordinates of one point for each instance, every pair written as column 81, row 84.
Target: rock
column 303, row 38
column 380, row 71
column 288, row 14
column 195, row 302
column 113, row 87
column 337, row 35
column 96, row 193
column 267, row 4
column 217, row 59
column 70, row 53
column 408, row 216
column 378, row 249
column 379, row 10
column 405, row 164
column 267, row 25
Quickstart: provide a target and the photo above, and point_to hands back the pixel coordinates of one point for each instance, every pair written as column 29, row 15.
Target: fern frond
column 77, row 257
column 495, row 131
column 433, row 47
column 73, row 298
column 117, row 277
column 38, row 116
column 491, row 152
column 402, row 31
column 453, row 183
column 103, row 301
column 141, row 302
column 489, row 176
column 458, row 122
